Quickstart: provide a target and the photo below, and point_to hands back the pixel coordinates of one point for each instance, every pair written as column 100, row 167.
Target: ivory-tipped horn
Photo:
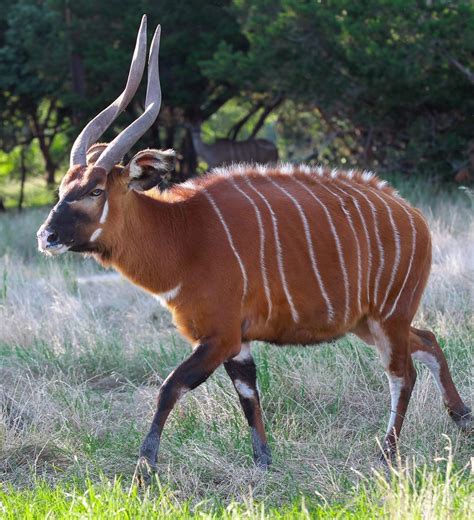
column 97, row 126
column 129, row 136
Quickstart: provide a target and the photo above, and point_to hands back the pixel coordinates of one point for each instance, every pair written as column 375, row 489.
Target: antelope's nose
column 46, row 237
column 51, row 237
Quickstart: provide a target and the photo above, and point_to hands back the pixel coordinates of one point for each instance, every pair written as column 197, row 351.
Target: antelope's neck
column 152, row 247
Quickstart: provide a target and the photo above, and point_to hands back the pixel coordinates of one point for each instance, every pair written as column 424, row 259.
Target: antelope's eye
column 96, row 192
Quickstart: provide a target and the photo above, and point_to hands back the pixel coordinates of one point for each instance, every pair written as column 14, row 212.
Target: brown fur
column 176, row 239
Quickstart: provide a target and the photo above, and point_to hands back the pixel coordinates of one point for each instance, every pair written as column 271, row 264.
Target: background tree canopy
column 380, row 84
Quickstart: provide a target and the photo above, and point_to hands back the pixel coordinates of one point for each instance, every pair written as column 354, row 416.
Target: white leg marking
column 167, row 296
column 382, row 342
column 396, row 384
column 244, row 355
column 105, row 212
column 373, row 210
column 396, row 238
column 384, row 347
column 337, row 241
column 262, row 245
column 412, row 256
column 431, row 362
column 244, row 389
column 95, row 235
column 359, row 255
column 229, row 238
column 312, row 255
column 294, row 313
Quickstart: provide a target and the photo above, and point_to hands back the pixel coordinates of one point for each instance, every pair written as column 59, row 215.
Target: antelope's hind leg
column 393, row 343
column 425, row 348
column 243, row 372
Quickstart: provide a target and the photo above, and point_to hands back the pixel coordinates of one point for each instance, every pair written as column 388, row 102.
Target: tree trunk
column 188, row 160
column 50, row 171
column 48, row 161
column 263, row 116
column 234, row 131
column 23, row 178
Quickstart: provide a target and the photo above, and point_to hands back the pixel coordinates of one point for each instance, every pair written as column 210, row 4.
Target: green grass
column 405, row 493
column 82, row 357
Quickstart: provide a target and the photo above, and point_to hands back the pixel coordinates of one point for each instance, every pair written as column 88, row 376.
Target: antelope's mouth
column 55, row 249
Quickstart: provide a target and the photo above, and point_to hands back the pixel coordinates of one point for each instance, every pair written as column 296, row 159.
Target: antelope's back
column 316, row 246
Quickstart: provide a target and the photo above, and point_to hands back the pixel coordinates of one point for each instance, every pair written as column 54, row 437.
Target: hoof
column 144, row 472
column 463, row 419
column 388, row 456
column 263, row 458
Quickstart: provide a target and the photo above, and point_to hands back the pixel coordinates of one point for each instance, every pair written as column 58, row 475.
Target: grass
column 82, row 355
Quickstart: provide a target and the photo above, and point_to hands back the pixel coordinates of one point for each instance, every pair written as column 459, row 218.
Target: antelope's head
column 91, row 190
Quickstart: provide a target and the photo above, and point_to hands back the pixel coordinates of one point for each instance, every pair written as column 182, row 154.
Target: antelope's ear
column 150, row 168
column 95, row 151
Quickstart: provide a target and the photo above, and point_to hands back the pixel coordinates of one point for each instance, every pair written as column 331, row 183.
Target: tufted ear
column 150, row 168
column 94, row 152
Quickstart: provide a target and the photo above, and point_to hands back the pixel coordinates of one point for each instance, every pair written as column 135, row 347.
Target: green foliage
column 377, row 84
column 385, row 73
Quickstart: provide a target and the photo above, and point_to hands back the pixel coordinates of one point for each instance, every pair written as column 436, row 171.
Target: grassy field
column 82, row 355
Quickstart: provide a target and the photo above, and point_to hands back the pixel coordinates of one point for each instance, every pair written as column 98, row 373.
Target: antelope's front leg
column 243, row 372
column 187, row 376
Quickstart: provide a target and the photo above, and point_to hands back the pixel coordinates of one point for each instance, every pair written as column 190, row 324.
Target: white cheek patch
column 105, row 213
column 244, row 389
column 95, row 235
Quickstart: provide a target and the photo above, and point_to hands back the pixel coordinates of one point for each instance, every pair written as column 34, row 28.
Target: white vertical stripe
column 312, row 255
column 412, row 256
column 396, row 238
column 262, row 245
column 354, row 233
column 105, row 212
column 337, row 241
column 367, row 238
column 229, row 238
column 281, row 270
column 373, row 210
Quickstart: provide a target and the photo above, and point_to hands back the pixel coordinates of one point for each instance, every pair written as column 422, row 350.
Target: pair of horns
column 117, row 148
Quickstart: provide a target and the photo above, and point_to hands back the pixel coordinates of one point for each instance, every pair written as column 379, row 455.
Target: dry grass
column 81, row 358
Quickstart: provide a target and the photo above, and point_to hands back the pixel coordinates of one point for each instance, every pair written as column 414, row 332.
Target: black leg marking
column 243, row 373
column 187, row 376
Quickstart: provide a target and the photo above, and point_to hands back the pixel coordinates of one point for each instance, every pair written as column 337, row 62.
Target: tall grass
column 83, row 352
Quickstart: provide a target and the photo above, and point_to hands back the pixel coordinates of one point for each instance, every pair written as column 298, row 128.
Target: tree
column 394, row 76
column 32, row 75
column 191, row 31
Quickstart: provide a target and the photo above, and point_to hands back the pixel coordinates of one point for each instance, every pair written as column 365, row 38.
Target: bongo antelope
column 225, row 151
column 290, row 254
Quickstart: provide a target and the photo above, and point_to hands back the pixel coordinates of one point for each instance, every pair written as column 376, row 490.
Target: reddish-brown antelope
column 291, row 254
column 225, row 151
